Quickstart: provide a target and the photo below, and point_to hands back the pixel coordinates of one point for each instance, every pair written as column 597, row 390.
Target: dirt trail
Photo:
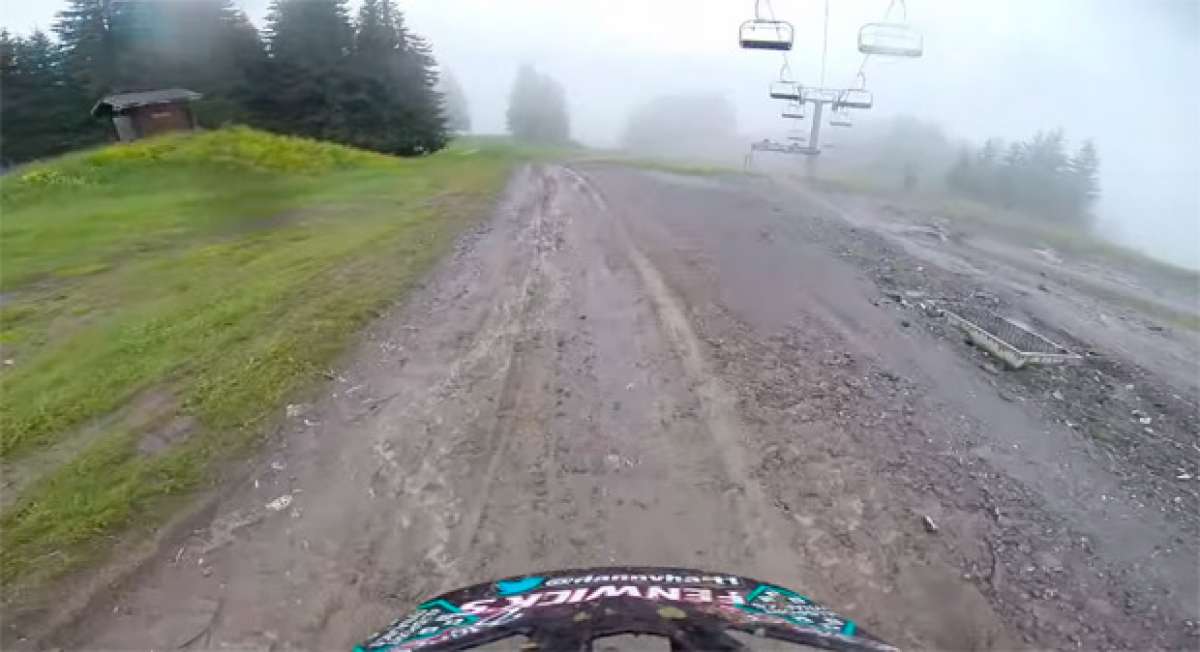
column 636, row 368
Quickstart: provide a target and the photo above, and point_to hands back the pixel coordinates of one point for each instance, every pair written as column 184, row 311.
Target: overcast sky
column 1123, row 72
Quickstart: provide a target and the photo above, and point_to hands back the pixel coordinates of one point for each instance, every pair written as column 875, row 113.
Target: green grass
column 849, row 183
column 501, row 145
column 222, row 270
column 671, row 166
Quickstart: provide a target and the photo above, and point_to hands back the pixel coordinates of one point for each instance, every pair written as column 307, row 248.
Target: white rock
column 280, row 503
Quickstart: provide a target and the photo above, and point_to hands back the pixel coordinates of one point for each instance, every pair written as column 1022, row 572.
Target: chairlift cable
column 785, row 71
column 787, row 62
column 862, row 68
column 770, row 10
column 825, row 43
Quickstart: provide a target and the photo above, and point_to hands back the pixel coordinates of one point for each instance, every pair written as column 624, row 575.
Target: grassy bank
column 669, row 166
column 161, row 300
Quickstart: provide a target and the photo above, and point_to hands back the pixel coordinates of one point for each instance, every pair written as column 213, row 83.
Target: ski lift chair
column 794, row 111
column 890, row 40
column 764, row 145
column 822, row 95
column 840, row 119
column 785, row 90
column 856, row 98
column 763, row 34
column 803, row 149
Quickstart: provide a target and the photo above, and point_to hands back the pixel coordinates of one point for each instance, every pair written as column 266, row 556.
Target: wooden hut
column 146, row 113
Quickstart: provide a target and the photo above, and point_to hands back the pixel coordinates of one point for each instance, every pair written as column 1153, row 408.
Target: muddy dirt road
column 642, row 368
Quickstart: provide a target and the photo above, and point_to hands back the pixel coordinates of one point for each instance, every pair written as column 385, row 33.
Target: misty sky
column 1120, row 71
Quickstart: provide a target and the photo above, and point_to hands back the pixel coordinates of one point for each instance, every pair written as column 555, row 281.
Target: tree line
column 312, row 71
column 537, row 108
column 1036, row 175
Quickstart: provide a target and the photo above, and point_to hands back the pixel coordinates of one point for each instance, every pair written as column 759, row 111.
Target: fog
column 1120, row 72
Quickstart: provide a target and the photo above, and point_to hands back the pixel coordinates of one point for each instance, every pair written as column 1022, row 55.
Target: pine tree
column 1043, row 188
column 312, row 34
column 89, row 45
column 420, row 103
column 1036, row 176
column 378, row 38
column 7, row 50
column 203, row 45
column 248, row 73
column 986, row 171
column 537, row 110
column 1011, row 175
column 959, row 178
column 370, row 77
column 44, row 112
column 458, row 115
column 309, row 42
column 522, row 114
column 990, row 152
column 1084, row 171
column 388, row 100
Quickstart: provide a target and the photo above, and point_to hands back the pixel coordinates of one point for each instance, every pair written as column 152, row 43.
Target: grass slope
column 187, row 285
column 670, row 166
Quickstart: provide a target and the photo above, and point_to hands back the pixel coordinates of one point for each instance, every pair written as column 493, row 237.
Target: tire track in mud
column 492, row 353
column 520, row 331
column 619, row 444
column 718, row 405
column 522, row 378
